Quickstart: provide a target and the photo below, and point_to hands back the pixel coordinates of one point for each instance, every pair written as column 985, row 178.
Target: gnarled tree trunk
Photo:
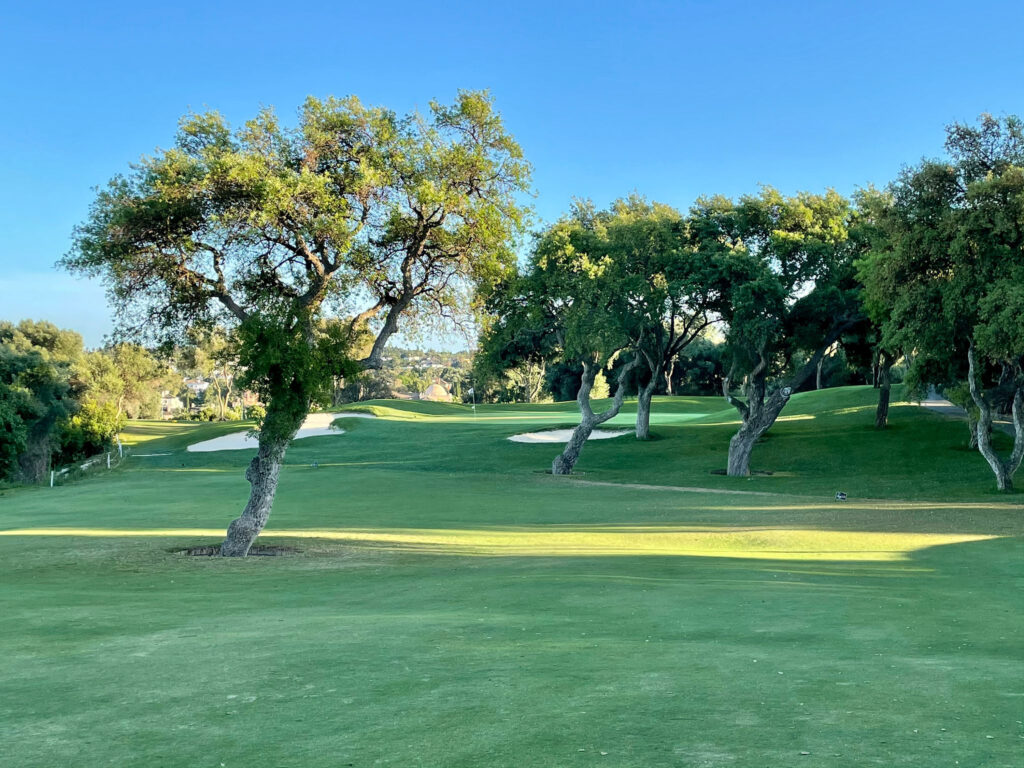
column 1003, row 470
column 566, row 460
column 758, row 413
column 762, row 409
column 263, row 474
column 643, row 409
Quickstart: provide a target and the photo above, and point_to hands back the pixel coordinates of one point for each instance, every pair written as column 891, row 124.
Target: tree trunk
column 761, row 409
column 882, row 411
column 741, row 445
column 263, row 474
column 758, row 415
column 817, row 379
column 564, row 462
column 227, row 398
column 1003, row 470
column 983, row 432
column 884, row 388
column 972, row 428
column 668, row 376
column 643, row 409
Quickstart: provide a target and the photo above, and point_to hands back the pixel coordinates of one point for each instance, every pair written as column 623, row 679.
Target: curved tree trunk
column 263, row 474
column 668, row 376
column 761, row 409
column 758, row 416
column 1003, row 470
column 566, row 460
column 884, row 387
column 643, row 409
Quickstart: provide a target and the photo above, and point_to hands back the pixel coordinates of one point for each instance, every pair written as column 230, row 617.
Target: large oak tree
column 793, row 296
column 278, row 232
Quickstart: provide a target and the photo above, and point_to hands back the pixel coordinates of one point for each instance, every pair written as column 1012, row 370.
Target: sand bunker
column 563, row 435
column 315, row 425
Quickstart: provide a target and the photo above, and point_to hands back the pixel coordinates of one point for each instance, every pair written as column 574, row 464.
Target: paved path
column 936, row 403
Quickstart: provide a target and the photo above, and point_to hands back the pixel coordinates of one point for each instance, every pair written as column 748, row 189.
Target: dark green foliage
column 700, row 370
column 949, row 271
column 793, row 286
column 35, row 395
column 290, row 367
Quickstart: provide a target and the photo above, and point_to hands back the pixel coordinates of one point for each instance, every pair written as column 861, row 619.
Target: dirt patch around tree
column 256, row 551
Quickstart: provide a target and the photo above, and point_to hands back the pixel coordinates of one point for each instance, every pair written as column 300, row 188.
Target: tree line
column 928, row 270
column 60, row 403
column 314, row 243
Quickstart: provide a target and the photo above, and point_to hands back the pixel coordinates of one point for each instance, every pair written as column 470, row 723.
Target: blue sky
column 670, row 99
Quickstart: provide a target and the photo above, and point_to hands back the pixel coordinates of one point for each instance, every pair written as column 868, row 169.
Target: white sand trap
column 563, row 435
column 315, row 425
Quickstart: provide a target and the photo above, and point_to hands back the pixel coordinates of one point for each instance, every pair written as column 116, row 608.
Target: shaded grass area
column 461, row 608
column 383, row 658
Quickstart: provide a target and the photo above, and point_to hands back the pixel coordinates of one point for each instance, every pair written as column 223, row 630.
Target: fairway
column 445, row 602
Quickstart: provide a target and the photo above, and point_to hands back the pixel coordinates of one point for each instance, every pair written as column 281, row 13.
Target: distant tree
column 92, row 429
column 563, row 380
column 699, row 370
column 211, row 355
column 365, row 385
column 569, row 305
column 268, row 231
column 415, row 380
column 868, row 340
column 677, row 290
column 36, row 395
column 12, row 428
column 950, row 274
column 793, row 296
column 142, row 378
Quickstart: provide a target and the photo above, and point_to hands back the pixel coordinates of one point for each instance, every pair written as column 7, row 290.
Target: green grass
column 452, row 605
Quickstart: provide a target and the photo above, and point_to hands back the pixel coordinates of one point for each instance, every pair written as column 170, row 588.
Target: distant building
column 437, row 392
column 170, row 406
column 196, row 386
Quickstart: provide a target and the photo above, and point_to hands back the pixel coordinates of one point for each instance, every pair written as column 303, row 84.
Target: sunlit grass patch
column 594, row 541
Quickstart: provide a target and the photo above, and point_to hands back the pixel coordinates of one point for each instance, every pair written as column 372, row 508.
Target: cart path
column 949, row 410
